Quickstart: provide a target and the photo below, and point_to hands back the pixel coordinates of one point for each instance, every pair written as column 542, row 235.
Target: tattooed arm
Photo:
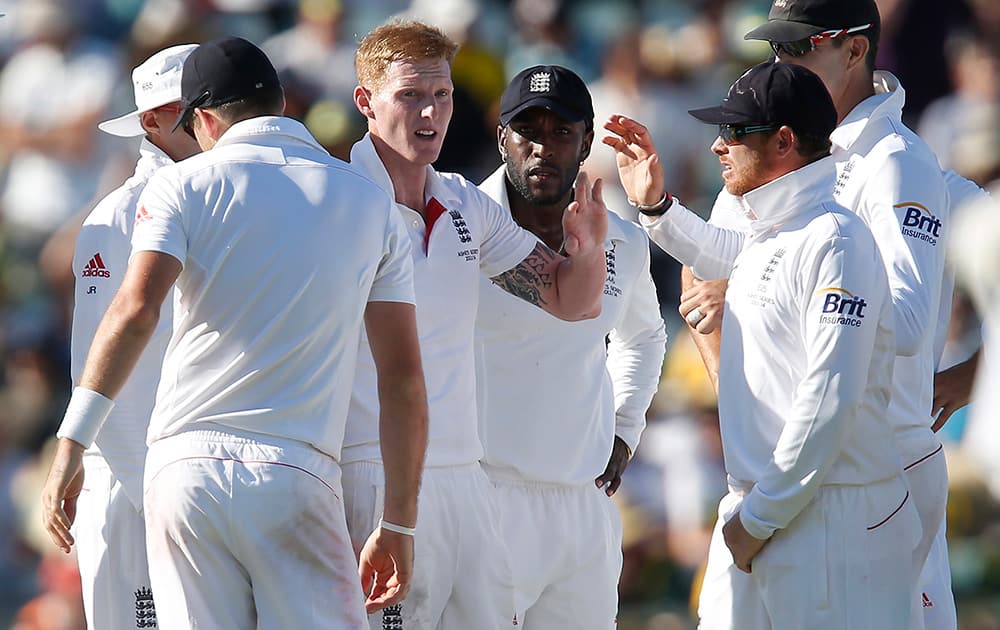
column 568, row 287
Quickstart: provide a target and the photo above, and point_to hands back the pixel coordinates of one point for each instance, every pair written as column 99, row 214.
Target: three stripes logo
column 142, row 215
column 96, row 268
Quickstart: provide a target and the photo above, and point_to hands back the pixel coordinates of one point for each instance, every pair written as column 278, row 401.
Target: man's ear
column 363, row 101
column 858, row 49
column 501, row 141
column 588, row 141
column 785, row 140
column 148, row 121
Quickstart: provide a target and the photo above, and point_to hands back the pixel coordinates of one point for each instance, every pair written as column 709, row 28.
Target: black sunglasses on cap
column 800, row 47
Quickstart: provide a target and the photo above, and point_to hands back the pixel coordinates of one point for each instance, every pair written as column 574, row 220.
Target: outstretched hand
column 638, row 162
column 585, row 220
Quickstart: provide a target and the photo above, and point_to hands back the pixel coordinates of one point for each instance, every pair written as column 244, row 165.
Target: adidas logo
column 95, row 268
column 928, row 603
column 142, row 215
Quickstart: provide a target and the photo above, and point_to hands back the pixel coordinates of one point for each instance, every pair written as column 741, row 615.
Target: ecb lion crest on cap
column 540, row 82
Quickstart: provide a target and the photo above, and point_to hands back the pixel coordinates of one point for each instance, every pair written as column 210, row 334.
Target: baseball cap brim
column 782, row 31
column 545, row 103
column 127, row 126
column 720, row 116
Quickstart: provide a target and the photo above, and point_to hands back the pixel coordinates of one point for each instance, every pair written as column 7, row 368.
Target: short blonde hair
column 399, row 40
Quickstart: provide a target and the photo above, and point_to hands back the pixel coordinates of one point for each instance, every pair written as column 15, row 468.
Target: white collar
column 268, row 126
column 887, row 102
column 791, row 194
column 365, row 158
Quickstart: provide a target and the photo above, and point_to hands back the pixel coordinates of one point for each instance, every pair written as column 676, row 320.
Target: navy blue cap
column 554, row 88
column 222, row 71
column 776, row 94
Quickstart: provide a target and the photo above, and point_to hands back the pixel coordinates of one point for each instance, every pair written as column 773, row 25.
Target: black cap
column 792, row 20
column 222, row 71
column 776, row 94
column 554, row 88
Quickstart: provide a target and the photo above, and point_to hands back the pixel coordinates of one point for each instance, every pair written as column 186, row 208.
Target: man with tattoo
column 461, row 577
column 562, row 532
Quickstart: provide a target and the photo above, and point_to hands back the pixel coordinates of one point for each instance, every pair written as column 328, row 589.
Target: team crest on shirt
column 458, row 221
column 761, row 296
column 919, row 223
column 392, row 617
column 610, row 288
column 841, row 307
column 145, row 611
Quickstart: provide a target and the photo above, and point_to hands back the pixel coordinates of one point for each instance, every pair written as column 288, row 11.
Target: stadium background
column 64, row 66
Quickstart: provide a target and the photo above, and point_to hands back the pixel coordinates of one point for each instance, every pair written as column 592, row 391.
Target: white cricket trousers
column 844, row 563
column 461, row 576
column 244, row 534
column 565, row 546
column 933, row 602
column 111, row 551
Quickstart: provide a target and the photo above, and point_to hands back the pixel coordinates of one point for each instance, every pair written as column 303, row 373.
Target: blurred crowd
column 64, row 66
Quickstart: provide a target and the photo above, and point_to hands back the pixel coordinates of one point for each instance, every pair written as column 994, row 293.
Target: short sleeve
column 394, row 276
column 159, row 222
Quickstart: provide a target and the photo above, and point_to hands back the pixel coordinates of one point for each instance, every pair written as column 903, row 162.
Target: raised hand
column 585, row 220
column 639, row 165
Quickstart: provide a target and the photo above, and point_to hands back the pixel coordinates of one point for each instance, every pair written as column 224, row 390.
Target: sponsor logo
column 145, row 611
column 919, row 222
column 95, row 268
column 928, row 602
column 540, row 82
column 842, row 307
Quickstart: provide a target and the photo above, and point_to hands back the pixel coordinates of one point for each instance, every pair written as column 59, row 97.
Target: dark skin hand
column 617, row 464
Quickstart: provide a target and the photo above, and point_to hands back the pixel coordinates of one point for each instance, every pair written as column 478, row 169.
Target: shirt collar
column 365, row 158
column 496, row 187
column 269, row 126
column 151, row 158
column 887, row 102
column 794, row 193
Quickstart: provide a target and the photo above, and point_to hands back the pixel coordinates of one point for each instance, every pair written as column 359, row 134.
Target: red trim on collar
column 432, row 212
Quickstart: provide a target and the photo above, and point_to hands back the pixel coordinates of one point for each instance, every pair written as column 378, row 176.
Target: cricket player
column 109, row 524
column 462, row 579
column 278, row 253
column 887, row 176
column 818, row 523
column 562, row 532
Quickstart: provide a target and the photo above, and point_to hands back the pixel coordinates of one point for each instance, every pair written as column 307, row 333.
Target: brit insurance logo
column 841, row 307
column 919, row 222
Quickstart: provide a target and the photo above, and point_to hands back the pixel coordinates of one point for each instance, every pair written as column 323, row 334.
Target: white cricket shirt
column 99, row 262
column 549, row 386
column 807, row 352
column 892, row 180
column 282, row 246
column 471, row 237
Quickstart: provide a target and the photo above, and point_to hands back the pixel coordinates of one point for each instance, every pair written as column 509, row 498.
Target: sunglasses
column 733, row 134
column 802, row 46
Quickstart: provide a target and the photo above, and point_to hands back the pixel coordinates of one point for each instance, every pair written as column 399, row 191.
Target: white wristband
column 85, row 415
column 399, row 529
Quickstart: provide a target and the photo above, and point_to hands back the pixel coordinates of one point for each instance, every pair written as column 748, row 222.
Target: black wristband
column 658, row 208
